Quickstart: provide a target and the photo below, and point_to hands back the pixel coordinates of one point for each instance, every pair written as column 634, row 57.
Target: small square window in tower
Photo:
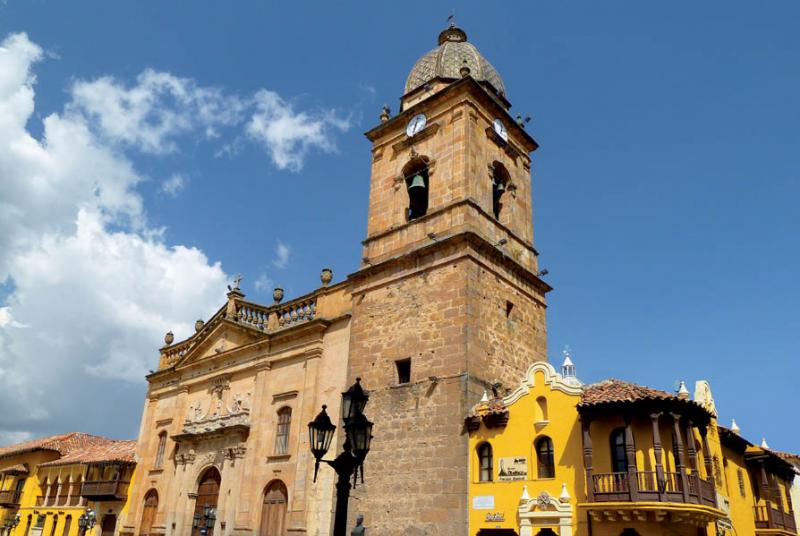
column 403, row 371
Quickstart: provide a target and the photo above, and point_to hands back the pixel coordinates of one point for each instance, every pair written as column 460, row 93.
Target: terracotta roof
column 611, row 390
column 19, row 469
column 786, row 455
column 62, row 444
column 108, row 451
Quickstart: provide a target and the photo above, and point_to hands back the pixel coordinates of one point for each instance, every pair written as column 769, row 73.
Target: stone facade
column 216, row 399
column 455, row 291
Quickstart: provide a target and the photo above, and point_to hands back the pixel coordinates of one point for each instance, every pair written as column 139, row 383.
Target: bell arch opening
column 416, row 175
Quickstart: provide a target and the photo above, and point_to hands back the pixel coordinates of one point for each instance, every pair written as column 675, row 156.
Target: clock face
column 416, row 124
column 500, row 129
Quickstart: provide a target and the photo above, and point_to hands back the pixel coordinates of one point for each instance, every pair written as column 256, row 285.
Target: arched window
column 67, row 525
column 282, row 432
column 500, row 180
column 149, row 511
column 485, row 463
column 273, row 511
column 545, row 462
column 28, row 525
column 55, row 525
column 619, row 460
column 541, row 406
column 162, row 446
column 416, row 175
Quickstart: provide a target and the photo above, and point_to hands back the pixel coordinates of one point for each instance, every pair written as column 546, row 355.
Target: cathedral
column 447, row 302
column 444, row 324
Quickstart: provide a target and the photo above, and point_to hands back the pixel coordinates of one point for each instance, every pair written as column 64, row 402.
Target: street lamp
column 87, row 520
column 358, row 435
column 205, row 522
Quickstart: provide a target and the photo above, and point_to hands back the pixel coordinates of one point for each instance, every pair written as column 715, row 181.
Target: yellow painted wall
column 55, row 515
column 517, row 440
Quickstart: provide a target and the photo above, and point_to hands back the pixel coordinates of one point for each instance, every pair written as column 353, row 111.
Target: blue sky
column 665, row 188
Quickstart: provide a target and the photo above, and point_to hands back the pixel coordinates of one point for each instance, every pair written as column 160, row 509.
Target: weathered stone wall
column 446, row 310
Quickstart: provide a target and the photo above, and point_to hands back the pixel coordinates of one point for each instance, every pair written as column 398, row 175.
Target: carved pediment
column 226, row 336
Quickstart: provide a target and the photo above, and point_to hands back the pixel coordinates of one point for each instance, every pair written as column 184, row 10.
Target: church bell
column 417, row 182
column 499, row 187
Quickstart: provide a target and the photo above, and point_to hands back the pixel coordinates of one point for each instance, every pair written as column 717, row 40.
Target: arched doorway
column 109, row 525
column 149, row 512
column 207, row 498
column 546, row 532
column 273, row 511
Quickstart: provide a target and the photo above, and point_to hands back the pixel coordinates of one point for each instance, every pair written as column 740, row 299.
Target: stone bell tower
column 447, row 300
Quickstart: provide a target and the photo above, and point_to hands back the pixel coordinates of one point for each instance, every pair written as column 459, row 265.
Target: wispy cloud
column 173, row 185
column 288, row 135
column 264, row 283
column 282, row 253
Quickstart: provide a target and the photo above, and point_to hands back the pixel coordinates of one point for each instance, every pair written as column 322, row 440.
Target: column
column 630, row 453
column 587, row 457
column 681, row 462
column 658, row 453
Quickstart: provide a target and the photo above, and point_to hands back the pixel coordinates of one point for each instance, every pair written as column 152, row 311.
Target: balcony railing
column 10, row 498
column 768, row 517
column 617, row 487
column 105, row 490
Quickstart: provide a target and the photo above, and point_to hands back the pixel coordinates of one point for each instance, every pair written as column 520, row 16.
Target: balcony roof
column 107, row 452
column 617, row 396
column 61, row 444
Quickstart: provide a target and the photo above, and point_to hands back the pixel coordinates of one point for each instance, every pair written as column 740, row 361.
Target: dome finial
column 452, row 34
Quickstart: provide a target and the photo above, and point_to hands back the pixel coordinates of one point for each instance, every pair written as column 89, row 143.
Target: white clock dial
column 416, row 124
column 500, row 129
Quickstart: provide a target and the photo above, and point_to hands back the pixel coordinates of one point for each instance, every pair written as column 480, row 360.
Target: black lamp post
column 87, row 520
column 205, row 522
column 358, row 434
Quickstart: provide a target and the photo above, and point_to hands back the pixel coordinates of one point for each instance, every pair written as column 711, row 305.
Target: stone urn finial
column 386, row 113
column 169, row 338
column 326, row 276
column 277, row 294
column 198, row 324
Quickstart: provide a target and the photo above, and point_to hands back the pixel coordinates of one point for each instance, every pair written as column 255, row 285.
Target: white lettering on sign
column 483, row 502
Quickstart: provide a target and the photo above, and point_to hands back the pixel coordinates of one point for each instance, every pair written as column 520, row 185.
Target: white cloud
column 264, row 283
column 282, row 252
column 92, row 284
column 288, row 135
column 152, row 113
column 9, row 437
column 173, row 185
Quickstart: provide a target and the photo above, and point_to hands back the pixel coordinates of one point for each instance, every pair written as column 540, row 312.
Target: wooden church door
column 273, row 511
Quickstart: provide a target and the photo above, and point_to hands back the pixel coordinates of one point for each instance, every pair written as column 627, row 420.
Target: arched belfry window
column 619, row 459
column 500, row 182
column 417, row 178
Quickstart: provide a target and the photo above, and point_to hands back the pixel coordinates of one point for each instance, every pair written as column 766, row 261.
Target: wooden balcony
column 10, row 498
column 105, row 490
column 768, row 517
column 647, row 486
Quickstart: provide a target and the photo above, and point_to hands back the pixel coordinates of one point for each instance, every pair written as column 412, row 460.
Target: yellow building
column 617, row 459
column 65, row 485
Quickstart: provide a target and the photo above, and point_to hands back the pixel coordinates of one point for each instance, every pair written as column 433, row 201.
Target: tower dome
column 449, row 58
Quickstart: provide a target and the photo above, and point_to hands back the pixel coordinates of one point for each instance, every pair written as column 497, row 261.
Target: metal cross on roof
column 236, row 281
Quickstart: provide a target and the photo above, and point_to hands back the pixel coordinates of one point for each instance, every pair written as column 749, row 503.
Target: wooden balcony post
column 707, row 460
column 660, row 482
column 765, row 495
column 587, row 457
column 681, row 461
column 630, row 452
column 691, row 448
